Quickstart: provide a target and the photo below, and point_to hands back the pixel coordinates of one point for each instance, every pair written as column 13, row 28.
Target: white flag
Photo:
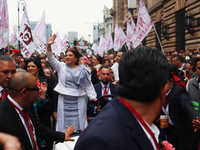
column 4, row 26
column 95, row 48
column 89, row 52
column 102, row 46
column 65, row 43
column 39, row 29
column 57, row 46
column 122, row 37
column 117, row 39
column 109, row 44
column 25, row 36
column 129, row 35
column 144, row 24
column 132, row 23
column 13, row 38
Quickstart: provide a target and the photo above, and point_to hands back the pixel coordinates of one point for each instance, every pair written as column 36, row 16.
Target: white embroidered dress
column 71, row 100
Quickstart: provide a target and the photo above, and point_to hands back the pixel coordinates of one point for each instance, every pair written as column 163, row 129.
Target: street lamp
column 23, row 3
column 132, row 5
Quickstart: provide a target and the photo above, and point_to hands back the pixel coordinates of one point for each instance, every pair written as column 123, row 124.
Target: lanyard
column 139, row 118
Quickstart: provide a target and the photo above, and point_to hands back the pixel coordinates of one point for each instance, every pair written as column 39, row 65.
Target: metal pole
column 18, row 26
column 159, row 40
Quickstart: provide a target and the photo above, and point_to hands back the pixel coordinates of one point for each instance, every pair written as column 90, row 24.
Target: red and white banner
column 117, row 39
column 129, row 35
column 122, row 37
column 95, row 48
column 4, row 25
column 25, row 36
column 65, row 43
column 13, row 38
column 57, row 46
column 144, row 24
column 102, row 46
column 109, row 44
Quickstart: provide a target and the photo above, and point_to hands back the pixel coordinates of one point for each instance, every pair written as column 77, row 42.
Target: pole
column 158, row 39
column 18, row 26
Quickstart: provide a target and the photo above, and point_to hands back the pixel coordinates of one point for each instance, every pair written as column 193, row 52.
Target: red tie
column 166, row 100
column 4, row 94
column 30, row 128
column 105, row 92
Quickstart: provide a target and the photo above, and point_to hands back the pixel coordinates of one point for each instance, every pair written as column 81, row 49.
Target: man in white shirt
column 115, row 67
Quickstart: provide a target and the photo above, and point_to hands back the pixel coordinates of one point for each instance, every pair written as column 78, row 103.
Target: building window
column 158, row 29
column 180, row 30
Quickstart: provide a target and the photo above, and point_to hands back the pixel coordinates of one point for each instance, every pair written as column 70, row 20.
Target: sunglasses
column 34, row 89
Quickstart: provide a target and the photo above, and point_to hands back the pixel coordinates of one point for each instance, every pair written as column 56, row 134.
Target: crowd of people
column 45, row 98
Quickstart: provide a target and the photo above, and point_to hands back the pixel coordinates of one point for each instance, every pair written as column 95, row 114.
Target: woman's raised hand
column 51, row 39
column 50, row 42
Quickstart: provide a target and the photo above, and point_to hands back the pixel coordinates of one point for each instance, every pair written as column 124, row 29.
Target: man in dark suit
column 181, row 113
column 16, row 117
column 7, row 68
column 126, row 123
column 103, row 88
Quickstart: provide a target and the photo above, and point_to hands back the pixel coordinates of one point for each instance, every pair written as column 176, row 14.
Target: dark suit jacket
column 181, row 112
column 98, row 89
column 10, row 123
column 114, row 128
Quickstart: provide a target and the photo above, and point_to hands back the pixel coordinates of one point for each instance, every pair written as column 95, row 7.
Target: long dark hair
column 37, row 63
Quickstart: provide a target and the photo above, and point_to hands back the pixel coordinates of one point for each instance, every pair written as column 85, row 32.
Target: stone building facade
column 107, row 24
column 177, row 22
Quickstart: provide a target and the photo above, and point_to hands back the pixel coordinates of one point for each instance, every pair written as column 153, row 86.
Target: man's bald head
column 19, row 81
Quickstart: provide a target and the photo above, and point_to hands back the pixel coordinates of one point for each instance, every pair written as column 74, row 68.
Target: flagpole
column 126, row 48
column 159, row 39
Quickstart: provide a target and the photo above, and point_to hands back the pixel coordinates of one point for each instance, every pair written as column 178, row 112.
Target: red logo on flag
column 26, row 36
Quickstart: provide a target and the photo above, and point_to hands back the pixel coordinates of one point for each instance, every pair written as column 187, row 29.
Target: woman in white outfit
column 72, row 80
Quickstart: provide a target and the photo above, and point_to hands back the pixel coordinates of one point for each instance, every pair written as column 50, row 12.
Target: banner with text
column 25, row 36
column 144, row 24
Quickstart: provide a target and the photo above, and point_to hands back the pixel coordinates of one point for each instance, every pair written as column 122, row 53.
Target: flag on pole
column 39, row 32
column 65, row 43
column 117, row 39
column 129, row 35
column 39, row 29
column 144, row 24
column 122, row 37
column 4, row 25
column 109, row 44
column 95, row 48
column 25, row 36
column 102, row 46
column 13, row 38
column 57, row 46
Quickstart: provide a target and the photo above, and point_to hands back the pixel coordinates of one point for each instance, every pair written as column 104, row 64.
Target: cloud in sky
column 63, row 15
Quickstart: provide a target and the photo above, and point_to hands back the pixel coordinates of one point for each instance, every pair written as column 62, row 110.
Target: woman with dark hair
column 73, row 81
column 94, row 77
column 97, row 63
column 43, row 108
column 191, row 67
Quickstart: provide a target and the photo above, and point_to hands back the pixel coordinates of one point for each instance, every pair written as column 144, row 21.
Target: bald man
column 16, row 117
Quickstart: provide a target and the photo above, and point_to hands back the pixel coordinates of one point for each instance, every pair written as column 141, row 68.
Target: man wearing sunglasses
column 16, row 117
